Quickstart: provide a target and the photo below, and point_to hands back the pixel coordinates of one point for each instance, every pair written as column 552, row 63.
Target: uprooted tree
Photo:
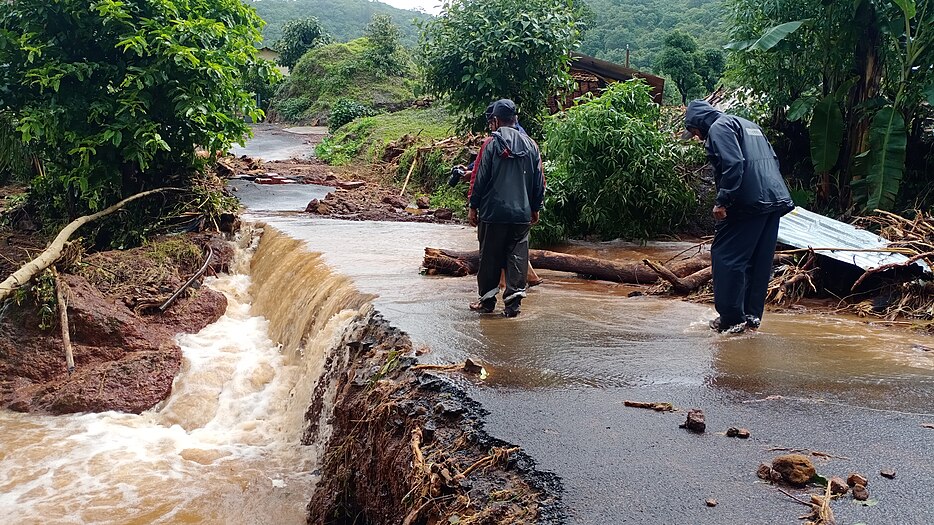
column 110, row 98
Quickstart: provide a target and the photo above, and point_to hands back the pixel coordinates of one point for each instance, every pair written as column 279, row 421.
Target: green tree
column 714, row 62
column 113, row 96
column 385, row 52
column 299, row 36
column 642, row 25
column 345, row 20
column 480, row 50
column 681, row 60
column 846, row 82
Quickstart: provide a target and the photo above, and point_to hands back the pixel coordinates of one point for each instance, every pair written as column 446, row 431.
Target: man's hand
column 472, row 217
column 534, row 218
column 719, row 212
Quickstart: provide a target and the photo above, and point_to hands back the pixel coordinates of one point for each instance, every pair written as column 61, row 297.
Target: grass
column 365, row 139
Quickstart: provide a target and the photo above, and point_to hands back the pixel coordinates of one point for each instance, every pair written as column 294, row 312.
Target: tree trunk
column 682, row 284
column 868, row 68
column 449, row 262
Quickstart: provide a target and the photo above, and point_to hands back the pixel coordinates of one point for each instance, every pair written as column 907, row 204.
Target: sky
column 429, row 6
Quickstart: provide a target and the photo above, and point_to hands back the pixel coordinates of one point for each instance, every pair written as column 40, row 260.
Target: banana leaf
column 826, row 132
column 773, row 36
column 769, row 39
column 888, row 142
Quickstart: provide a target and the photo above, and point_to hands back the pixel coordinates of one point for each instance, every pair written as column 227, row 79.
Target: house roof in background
column 610, row 71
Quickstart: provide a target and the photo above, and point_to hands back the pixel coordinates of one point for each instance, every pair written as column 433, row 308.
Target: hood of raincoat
column 701, row 115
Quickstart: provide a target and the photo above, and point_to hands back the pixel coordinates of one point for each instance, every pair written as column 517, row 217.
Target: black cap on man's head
column 504, row 108
column 489, row 111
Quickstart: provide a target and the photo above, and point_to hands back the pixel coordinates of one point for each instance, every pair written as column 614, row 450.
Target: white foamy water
column 224, row 448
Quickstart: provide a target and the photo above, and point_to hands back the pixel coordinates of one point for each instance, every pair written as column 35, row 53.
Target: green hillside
column 343, row 19
column 643, row 25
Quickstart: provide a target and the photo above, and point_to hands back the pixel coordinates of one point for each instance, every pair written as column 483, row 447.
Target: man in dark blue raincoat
column 751, row 198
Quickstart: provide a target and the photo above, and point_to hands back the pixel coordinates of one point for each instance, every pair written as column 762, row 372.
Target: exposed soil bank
column 399, row 444
column 125, row 356
column 408, row 446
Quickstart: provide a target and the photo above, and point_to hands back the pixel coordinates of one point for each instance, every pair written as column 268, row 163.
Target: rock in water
column 695, row 421
column 795, row 469
column 711, row 502
column 740, row 433
column 887, row 473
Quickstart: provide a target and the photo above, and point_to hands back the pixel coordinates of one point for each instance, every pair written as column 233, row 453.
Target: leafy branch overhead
column 851, row 79
column 112, row 96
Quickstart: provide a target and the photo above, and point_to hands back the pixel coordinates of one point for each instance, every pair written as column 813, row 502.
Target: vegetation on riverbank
column 99, row 104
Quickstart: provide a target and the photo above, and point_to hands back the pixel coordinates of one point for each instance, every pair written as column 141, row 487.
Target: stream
column 224, row 448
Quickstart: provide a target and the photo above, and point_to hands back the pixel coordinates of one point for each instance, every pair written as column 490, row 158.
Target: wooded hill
column 343, row 19
column 643, row 25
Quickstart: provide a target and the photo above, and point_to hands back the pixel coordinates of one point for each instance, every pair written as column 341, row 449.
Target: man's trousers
column 742, row 253
column 503, row 247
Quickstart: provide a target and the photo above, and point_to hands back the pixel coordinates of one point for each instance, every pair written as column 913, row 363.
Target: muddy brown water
column 560, row 373
column 224, row 448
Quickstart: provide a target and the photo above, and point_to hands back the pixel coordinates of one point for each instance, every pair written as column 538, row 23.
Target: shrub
column 292, row 109
column 341, row 148
column 298, row 36
column 612, row 173
column 346, row 110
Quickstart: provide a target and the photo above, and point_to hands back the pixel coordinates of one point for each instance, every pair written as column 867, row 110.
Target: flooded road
column 560, row 373
column 271, row 143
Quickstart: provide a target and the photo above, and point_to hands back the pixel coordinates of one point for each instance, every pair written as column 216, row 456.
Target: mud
column 409, row 446
column 125, row 355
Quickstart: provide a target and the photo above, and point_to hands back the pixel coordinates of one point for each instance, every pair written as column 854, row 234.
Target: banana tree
column 883, row 166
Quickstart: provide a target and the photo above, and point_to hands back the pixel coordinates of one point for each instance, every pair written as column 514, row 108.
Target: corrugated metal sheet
column 805, row 229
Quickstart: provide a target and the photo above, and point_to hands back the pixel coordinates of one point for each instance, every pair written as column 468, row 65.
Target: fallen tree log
column 687, row 284
column 681, row 285
column 54, row 251
column 458, row 263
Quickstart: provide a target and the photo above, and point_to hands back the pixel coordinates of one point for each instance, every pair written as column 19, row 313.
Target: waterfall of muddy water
column 225, row 447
